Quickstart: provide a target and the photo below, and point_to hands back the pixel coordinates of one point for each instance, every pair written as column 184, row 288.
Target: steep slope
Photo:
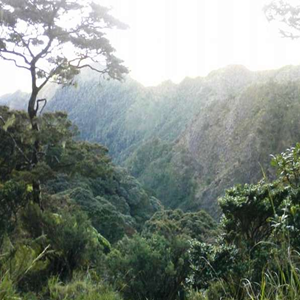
column 186, row 143
column 73, row 171
column 233, row 139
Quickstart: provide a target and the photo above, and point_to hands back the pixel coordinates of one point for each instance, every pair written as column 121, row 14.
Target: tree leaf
column 9, row 122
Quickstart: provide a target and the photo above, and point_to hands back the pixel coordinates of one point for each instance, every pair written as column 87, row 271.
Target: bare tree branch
column 15, row 62
column 51, row 74
column 24, row 43
column 37, row 104
column 89, row 66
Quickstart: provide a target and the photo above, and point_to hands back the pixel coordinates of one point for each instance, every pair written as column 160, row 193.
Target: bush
column 82, row 287
column 151, row 268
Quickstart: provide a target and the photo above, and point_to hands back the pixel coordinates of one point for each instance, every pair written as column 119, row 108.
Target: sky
column 174, row 39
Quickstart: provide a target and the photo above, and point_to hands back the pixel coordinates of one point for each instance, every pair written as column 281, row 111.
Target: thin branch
column 54, row 72
column 40, row 256
column 37, row 104
column 15, row 62
column 43, row 52
column 80, row 59
column 51, row 74
column 17, row 54
column 24, row 43
column 42, row 70
column 89, row 66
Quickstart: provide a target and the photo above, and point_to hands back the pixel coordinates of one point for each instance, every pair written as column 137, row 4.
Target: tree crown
column 55, row 39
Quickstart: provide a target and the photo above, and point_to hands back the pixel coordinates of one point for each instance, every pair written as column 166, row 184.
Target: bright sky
column 172, row 39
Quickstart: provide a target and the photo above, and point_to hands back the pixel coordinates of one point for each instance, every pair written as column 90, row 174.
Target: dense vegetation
column 187, row 143
column 73, row 225
column 98, row 235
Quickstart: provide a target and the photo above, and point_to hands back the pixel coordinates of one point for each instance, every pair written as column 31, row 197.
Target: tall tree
column 54, row 40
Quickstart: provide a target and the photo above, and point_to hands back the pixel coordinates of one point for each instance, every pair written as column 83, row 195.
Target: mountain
column 188, row 142
column 17, row 100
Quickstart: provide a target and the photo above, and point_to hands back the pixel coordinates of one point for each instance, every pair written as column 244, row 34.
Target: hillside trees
column 153, row 267
column 114, row 201
column 156, row 263
column 88, row 205
column 260, row 239
column 53, row 41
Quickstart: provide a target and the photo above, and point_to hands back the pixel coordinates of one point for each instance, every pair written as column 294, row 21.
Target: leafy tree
column 75, row 244
column 288, row 170
column 157, row 263
column 287, row 15
column 150, row 268
column 260, row 238
column 288, row 166
column 211, row 262
column 197, row 225
column 54, row 40
column 248, row 209
column 255, row 212
column 36, row 35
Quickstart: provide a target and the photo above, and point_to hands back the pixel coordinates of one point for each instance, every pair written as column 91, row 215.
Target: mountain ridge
column 209, row 132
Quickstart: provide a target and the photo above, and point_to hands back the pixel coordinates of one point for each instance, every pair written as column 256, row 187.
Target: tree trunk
column 32, row 112
column 31, row 108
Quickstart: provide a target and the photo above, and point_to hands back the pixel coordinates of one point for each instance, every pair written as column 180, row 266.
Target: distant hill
column 187, row 142
column 16, row 100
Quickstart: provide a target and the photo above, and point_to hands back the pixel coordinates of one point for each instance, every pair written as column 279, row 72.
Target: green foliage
column 288, row 166
column 198, row 225
column 7, row 289
column 150, row 268
column 21, row 268
column 217, row 291
column 84, row 200
column 17, row 262
column 164, row 172
column 195, row 295
column 248, row 210
column 156, row 265
column 189, row 142
column 73, row 241
column 13, row 196
column 258, row 254
column 36, row 34
column 82, row 287
column 211, row 262
column 83, row 172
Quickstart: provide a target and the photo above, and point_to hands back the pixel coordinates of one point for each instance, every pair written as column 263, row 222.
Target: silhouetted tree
column 54, row 40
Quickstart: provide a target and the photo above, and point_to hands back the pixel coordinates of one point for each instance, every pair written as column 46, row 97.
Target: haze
column 173, row 39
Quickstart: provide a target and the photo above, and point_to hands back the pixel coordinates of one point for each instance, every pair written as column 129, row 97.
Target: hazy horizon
column 175, row 39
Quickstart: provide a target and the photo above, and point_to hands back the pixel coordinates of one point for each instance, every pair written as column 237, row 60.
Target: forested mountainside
column 75, row 171
column 186, row 143
column 95, row 233
column 90, row 223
